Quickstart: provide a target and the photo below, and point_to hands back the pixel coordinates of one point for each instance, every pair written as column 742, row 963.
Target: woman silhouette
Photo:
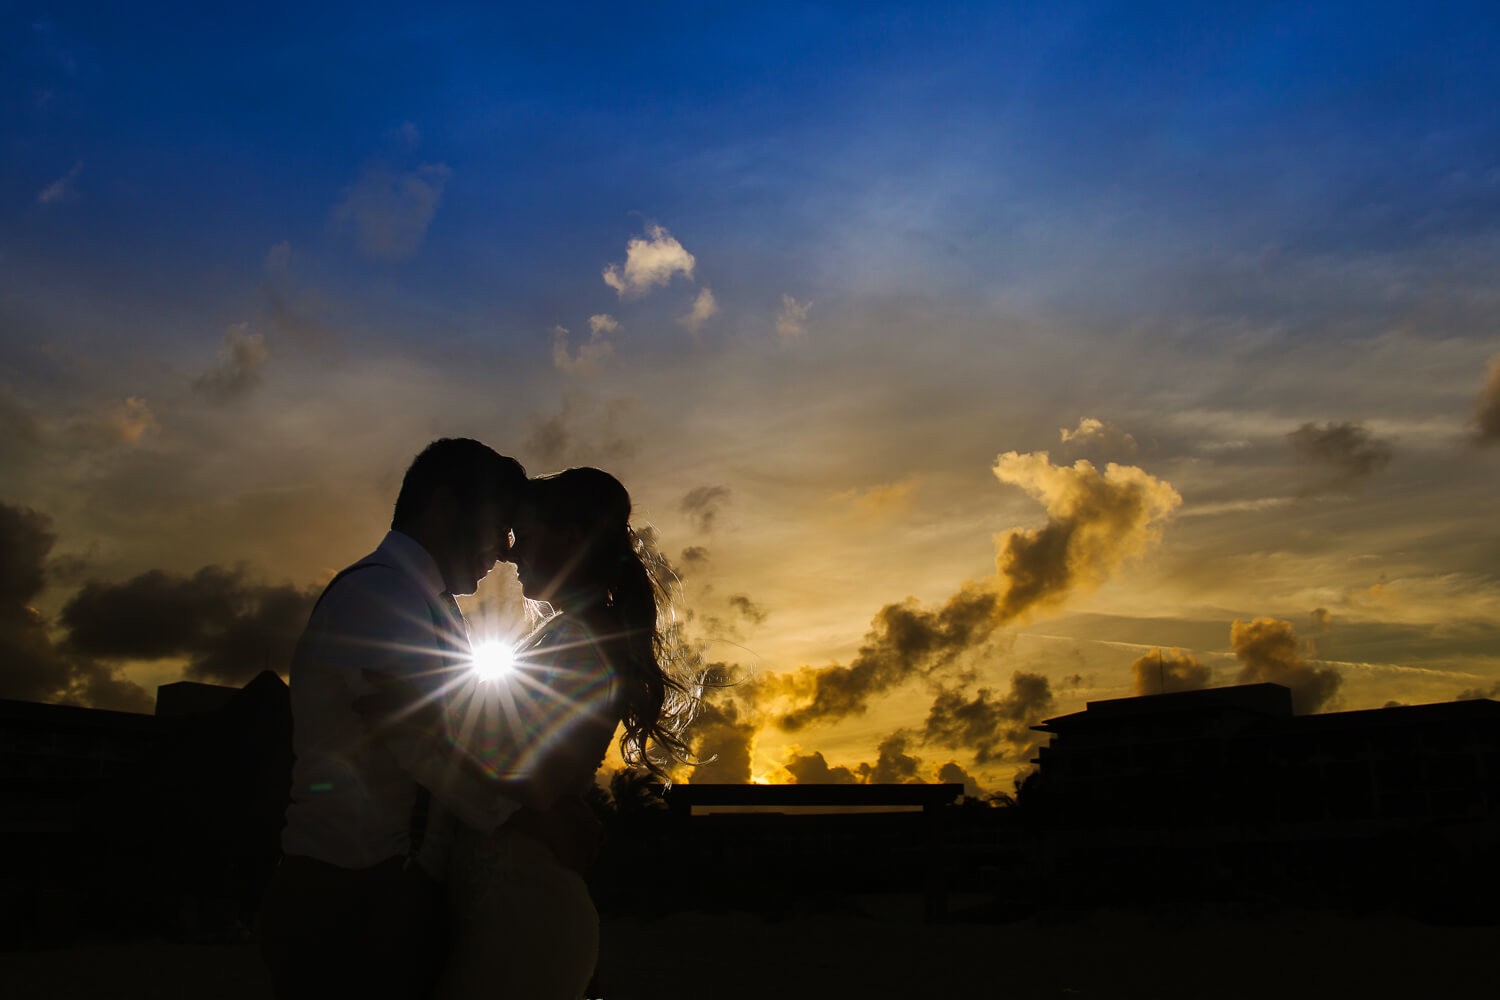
column 523, row 924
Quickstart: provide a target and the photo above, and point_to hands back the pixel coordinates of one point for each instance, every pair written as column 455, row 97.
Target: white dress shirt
column 353, row 795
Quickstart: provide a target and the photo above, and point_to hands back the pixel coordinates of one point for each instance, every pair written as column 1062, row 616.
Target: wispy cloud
column 390, row 211
column 62, row 189
column 791, row 318
column 242, row 360
column 127, row 423
column 591, row 354
column 703, row 504
column 881, row 502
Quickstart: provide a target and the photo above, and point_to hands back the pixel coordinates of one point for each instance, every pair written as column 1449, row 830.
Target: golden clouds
column 1095, row 521
column 1271, row 653
column 1094, row 434
column 1163, row 671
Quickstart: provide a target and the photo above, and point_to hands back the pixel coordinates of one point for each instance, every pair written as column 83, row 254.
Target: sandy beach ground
column 887, row 952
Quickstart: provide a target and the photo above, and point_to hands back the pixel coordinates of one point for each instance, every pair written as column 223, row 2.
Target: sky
column 970, row 362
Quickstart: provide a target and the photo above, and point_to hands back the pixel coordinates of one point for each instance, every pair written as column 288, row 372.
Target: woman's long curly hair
column 635, row 625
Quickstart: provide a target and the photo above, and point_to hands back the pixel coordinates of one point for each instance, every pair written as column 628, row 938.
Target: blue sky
column 250, row 260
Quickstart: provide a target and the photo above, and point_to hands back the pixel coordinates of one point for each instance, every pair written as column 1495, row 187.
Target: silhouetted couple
column 437, row 833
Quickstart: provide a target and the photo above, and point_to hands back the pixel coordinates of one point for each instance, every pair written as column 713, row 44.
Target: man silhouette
column 350, row 911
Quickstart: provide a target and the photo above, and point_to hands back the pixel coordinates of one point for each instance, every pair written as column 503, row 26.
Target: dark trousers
column 373, row 933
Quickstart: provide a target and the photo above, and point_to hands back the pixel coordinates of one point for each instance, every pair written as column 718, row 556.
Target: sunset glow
column 970, row 364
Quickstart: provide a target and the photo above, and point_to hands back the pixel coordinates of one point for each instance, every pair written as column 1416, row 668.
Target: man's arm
column 393, row 653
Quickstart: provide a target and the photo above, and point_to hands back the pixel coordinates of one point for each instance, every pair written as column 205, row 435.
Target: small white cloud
column 603, row 323
column 1093, row 433
column 704, row 308
column 61, row 189
column 590, row 356
column 389, row 211
column 649, row 263
column 791, row 318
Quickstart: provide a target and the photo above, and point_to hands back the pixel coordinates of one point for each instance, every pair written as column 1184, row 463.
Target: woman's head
column 574, row 548
column 572, row 534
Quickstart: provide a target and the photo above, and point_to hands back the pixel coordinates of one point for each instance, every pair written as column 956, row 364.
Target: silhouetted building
column 116, row 820
column 1228, row 780
column 770, row 845
column 173, row 701
column 1239, row 754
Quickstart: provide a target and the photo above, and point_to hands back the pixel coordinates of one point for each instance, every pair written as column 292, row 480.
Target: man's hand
column 570, row 829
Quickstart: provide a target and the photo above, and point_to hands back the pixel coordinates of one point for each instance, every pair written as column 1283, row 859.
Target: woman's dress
column 523, row 924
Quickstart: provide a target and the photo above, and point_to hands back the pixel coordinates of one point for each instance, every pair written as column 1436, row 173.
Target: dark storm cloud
column 1161, row 671
column 1486, row 419
column 813, row 769
column 227, row 627
column 987, row 725
column 893, row 765
column 953, row 772
column 32, row 667
column 906, row 641
column 1348, row 449
column 703, row 504
column 1270, row 652
column 694, row 555
column 725, row 732
column 1473, row 694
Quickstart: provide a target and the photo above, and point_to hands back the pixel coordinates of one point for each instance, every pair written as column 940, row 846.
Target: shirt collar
column 408, row 553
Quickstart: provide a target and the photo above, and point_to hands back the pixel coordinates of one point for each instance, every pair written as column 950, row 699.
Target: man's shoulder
column 373, row 588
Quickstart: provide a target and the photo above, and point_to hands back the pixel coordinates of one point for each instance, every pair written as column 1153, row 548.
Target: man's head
column 457, row 499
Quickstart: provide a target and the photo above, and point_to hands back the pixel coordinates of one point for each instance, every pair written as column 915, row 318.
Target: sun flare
column 492, row 660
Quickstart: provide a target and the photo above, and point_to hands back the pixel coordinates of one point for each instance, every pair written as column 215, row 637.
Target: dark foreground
column 886, row 952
